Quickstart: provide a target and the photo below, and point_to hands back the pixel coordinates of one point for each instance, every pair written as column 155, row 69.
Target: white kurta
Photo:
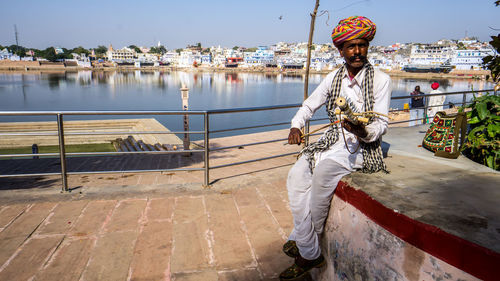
column 310, row 194
column 436, row 102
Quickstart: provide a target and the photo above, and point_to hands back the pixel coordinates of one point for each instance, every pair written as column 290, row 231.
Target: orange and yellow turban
column 353, row 28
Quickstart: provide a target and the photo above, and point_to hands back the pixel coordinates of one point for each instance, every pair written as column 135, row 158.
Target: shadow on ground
column 15, row 183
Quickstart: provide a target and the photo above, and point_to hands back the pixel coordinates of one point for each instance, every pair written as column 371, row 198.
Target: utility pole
column 17, row 41
column 308, row 63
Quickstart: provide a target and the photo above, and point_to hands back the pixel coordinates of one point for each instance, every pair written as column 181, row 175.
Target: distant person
column 435, row 103
column 416, row 107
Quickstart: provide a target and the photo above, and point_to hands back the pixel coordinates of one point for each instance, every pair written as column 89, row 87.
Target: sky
column 251, row 23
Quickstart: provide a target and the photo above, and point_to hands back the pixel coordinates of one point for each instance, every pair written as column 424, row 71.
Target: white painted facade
column 430, row 54
column 470, row 59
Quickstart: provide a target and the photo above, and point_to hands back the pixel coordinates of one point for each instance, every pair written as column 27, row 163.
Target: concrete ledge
column 365, row 240
column 431, row 218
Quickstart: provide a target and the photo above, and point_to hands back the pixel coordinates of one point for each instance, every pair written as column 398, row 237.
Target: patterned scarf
column 372, row 152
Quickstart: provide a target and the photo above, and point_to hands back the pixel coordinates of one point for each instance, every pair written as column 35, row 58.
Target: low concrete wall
column 363, row 240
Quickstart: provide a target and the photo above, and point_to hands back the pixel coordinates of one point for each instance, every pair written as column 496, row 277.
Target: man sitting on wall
column 313, row 179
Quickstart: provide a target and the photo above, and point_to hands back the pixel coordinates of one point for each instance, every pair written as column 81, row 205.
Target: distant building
column 58, row 50
column 470, row 59
column 170, row 58
column 206, row 59
column 260, row 57
column 189, row 58
column 5, row 54
column 430, row 54
column 124, row 54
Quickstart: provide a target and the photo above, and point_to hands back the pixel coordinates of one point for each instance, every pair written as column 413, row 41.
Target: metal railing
column 206, row 136
column 426, row 106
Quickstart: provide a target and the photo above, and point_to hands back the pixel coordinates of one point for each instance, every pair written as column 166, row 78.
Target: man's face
column 355, row 52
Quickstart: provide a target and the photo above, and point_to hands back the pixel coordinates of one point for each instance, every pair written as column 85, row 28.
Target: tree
column 158, row 50
column 135, row 48
column 178, row 50
column 17, row 50
column 235, row 48
column 101, row 50
column 80, row 50
column 49, row 54
column 493, row 62
column 481, row 144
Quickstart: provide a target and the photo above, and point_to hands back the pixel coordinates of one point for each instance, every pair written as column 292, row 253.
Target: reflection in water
column 159, row 90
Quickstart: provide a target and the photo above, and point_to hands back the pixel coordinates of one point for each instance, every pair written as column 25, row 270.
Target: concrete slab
column 457, row 195
column 169, row 227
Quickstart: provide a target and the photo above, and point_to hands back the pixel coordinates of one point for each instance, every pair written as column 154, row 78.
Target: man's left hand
column 359, row 129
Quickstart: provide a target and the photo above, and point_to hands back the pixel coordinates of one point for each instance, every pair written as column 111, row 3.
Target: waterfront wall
column 7, row 65
column 363, row 240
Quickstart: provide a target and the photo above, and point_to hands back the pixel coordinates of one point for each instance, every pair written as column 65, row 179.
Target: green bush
column 482, row 143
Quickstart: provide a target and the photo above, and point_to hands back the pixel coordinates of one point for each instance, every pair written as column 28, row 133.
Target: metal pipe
column 248, row 144
column 441, row 94
column 249, row 109
column 27, row 155
column 249, row 127
column 206, row 133
column 106, row 112
column 207, row 150
column 101, row 172
column 62, row 152
column 101, row 153
column 253, row 160
column 135, row 171
column 104, row 133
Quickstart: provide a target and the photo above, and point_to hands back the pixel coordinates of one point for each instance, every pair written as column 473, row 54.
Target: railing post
column 426, row 101
column 306, row 132
column 62, row 152
column 207, row 149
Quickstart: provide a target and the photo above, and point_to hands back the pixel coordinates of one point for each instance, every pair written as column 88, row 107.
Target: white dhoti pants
column 310, row 195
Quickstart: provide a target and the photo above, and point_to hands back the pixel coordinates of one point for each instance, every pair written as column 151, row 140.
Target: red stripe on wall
column 476, row 260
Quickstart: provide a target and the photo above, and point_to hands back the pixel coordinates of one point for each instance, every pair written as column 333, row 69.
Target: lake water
column 139, row 90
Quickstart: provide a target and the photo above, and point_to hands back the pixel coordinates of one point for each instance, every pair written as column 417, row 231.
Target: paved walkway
column 212, row 235
column 152, row 226
column 165, row 226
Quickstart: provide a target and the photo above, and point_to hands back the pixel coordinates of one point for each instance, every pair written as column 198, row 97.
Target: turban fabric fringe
column 353, row 28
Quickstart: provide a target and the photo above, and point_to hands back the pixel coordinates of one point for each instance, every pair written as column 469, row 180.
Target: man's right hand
column 295, row 136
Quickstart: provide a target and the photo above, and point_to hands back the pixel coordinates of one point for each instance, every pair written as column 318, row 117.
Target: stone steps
column 88, row 126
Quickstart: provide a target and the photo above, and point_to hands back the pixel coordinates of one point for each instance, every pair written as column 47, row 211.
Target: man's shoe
column 290, row 249
column 295, row 272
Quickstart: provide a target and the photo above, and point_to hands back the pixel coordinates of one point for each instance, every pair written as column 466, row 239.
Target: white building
column 260, row 57
column 430, row 54
column 123, row 54
column 188, row 58
column 470, row 59
column 5, row 54
column 170, row 58
column 219, row 60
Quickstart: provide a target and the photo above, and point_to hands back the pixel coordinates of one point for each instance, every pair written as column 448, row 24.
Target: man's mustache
column 362, row 58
